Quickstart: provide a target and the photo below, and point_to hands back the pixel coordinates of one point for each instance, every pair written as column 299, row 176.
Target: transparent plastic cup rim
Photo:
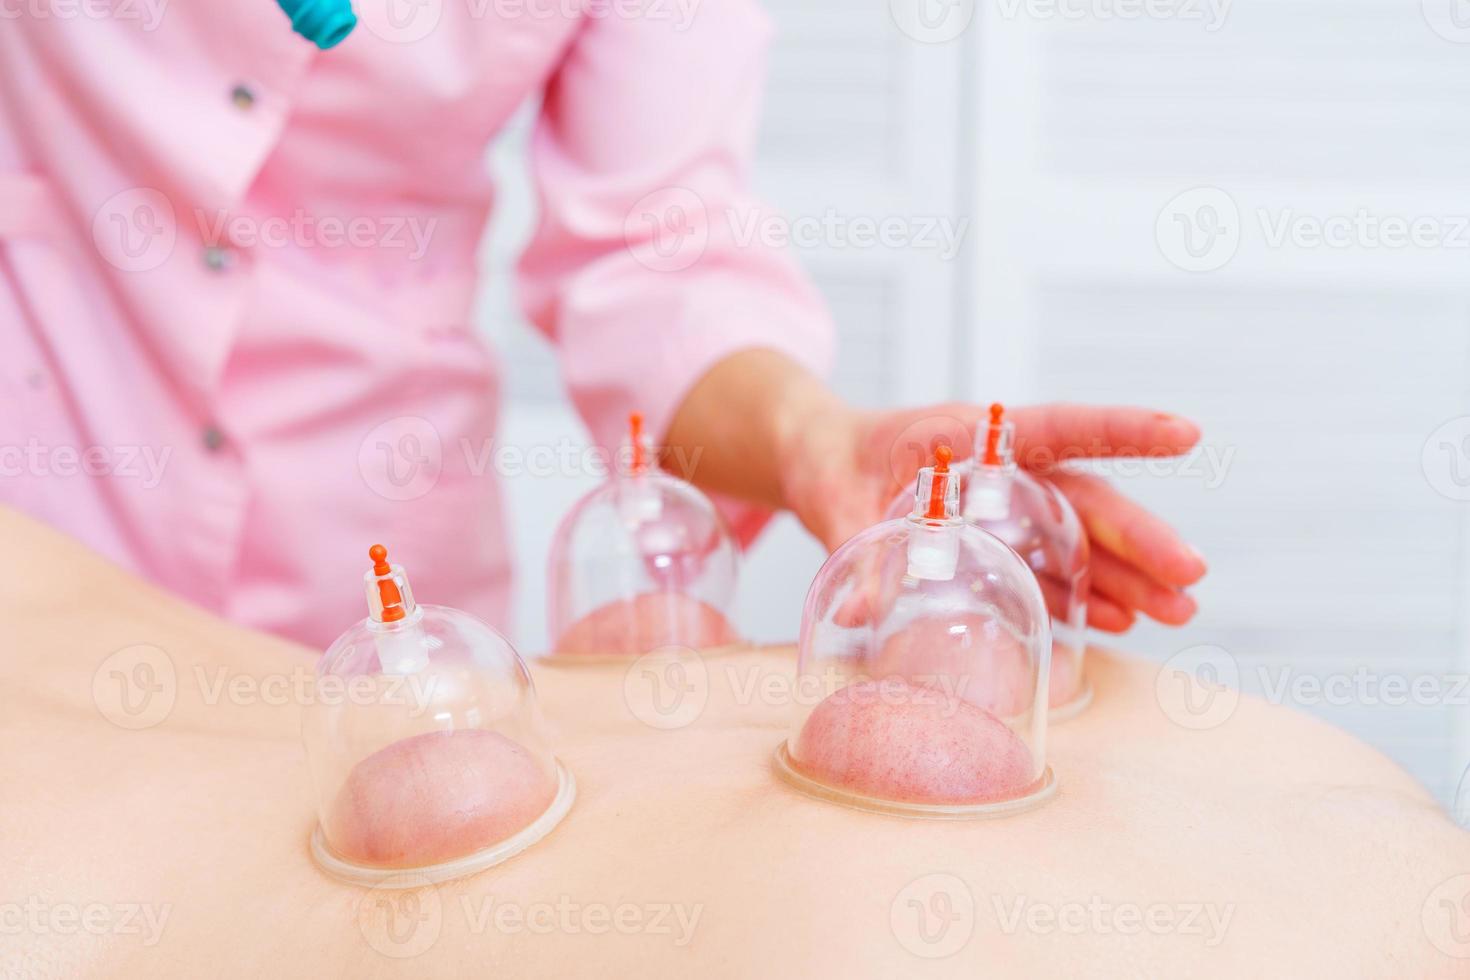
column 1065, row 711
column 1044, row 789
column 359, row 874
column 1071, row 709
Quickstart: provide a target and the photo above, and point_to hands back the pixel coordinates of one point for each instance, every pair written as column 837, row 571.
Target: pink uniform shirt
column 236, row 274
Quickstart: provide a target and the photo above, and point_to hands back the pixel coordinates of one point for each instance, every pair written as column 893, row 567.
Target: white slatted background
column 1318, row 372
column 1324, row 370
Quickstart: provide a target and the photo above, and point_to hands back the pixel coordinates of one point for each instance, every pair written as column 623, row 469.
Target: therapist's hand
column 844, row 467
column 772, row 433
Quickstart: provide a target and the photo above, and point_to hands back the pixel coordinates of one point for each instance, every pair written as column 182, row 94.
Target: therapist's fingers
column 1047, row 434
column 1129, row 588
column 1130, row 532
column 1106, row 615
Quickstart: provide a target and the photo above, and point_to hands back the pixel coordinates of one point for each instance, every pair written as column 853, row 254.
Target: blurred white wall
column 1251, row 213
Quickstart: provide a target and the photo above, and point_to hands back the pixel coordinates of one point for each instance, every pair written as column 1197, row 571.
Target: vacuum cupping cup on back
column 642, row 562
column 923, row 663
column 426, row 744
column 1038, row 523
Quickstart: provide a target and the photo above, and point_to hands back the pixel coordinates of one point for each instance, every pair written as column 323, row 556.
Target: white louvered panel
column 1323, row 370
column 834, row 93
column 867, row 309
column 863, row 123
column 1283, row 90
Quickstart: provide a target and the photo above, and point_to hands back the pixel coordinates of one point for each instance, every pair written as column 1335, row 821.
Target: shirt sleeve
column 649, row 264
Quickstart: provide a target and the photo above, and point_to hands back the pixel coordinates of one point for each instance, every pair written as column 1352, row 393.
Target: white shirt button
column 218, row 259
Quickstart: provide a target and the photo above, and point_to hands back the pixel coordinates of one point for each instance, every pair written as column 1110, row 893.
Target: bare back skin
column 155, row 809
